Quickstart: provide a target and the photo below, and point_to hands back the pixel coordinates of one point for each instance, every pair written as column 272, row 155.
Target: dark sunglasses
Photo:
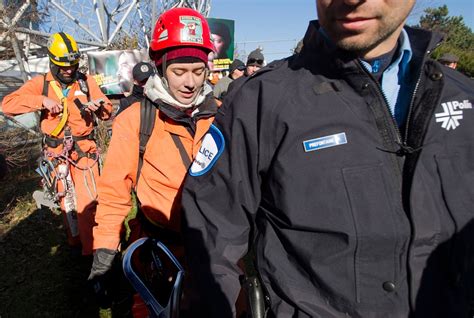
column 255, row 61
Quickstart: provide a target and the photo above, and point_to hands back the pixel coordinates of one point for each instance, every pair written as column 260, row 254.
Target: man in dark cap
column 255, row 61
column 236, row 70
column 141, row 72
column 449, row 59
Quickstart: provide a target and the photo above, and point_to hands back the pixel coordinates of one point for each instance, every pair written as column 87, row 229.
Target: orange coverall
column 29, row 98
column 161, row 177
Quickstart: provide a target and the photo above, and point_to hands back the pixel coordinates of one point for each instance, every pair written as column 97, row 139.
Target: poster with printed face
column 222, row 35
column 112, row 70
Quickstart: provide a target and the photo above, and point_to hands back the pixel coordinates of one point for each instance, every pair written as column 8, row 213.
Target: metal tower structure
column 95, row 24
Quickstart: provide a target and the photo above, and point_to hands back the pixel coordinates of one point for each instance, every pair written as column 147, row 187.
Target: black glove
column 101, row 265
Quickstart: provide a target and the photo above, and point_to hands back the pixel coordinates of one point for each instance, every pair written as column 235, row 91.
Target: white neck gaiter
column 156, row 89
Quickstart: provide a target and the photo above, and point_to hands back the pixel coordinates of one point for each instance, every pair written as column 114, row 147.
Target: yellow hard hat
column 63, row 50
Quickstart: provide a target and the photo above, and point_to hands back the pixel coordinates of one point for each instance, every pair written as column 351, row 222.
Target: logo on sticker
column 452, row 113
column 211, row 149
column 325, row 142
column 192, row 30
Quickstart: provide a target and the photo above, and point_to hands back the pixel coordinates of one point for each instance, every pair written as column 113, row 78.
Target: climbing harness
column 54, row 168
column 65, row 114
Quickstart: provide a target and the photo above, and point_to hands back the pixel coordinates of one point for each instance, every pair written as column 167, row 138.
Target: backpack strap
column 83, row 85
column 182, row 151
column 45, row 86
column 147, row 123
column 42, row 114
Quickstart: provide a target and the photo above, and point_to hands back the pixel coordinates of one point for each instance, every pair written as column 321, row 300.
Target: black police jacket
column 350, row 215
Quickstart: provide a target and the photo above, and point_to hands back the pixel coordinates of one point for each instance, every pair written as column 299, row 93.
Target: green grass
column 41, row 276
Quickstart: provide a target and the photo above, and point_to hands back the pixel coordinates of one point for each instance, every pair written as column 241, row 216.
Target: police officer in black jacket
column 349, row 168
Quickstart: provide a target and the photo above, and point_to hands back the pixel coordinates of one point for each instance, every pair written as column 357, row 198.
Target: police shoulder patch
column 211, row 148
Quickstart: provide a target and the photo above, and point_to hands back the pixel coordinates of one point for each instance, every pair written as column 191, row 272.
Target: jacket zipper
column 415, row 91
column 413, row 235
column 394, row 125
column 394, row 121
column 401, row 140
column 405, row 138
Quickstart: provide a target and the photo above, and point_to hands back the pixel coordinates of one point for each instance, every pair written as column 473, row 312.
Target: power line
column 266, row 41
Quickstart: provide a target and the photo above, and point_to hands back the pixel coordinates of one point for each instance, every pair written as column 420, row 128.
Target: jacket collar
column 319, row 50
column 208, row 108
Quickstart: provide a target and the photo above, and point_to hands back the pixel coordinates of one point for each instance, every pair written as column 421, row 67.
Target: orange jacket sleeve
column 116, row 181
column 95, row 93
column 28, row 98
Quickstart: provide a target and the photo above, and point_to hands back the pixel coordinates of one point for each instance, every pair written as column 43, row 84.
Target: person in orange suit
column 69, row 103
column 184, row 110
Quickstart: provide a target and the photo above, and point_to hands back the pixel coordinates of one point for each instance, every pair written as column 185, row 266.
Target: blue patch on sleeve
column 212, row 146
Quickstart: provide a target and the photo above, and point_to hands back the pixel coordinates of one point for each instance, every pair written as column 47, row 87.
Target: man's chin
column 354, row 43
column 66, row 80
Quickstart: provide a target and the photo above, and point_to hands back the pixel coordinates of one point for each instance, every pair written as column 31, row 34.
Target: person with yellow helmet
column 69, row 103
column 63, row 49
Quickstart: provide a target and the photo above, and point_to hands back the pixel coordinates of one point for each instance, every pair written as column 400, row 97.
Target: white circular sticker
column 211, row 148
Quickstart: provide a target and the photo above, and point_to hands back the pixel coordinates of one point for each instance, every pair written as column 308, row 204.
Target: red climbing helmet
column 181, row 27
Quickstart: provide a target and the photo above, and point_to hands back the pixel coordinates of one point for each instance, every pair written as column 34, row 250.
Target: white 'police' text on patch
column 211, row 149
column 325, row 142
